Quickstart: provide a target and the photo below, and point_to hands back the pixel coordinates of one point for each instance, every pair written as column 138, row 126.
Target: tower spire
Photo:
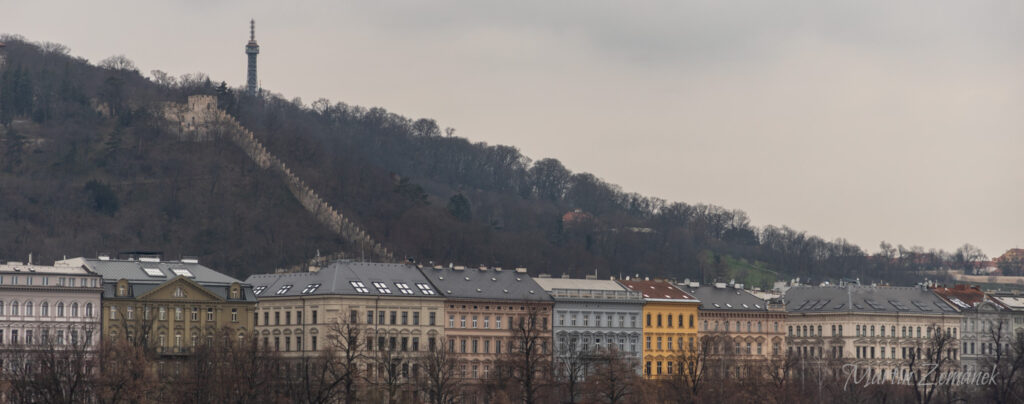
column 251, row 50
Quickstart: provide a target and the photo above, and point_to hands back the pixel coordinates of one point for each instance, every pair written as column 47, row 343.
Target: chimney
column 520, row 270
column 589, row 276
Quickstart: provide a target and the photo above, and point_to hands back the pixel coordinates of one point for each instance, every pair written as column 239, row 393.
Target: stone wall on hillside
column 200, row 119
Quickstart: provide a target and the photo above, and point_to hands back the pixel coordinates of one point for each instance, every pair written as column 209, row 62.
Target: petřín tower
column 252, row 49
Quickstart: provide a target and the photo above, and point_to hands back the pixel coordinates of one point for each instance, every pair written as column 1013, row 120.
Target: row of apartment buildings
column 475, row 313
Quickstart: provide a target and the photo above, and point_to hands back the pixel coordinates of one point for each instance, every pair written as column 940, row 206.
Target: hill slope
column 88, row 165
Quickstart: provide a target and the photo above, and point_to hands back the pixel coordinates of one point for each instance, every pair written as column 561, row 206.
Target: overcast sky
column 896, row 121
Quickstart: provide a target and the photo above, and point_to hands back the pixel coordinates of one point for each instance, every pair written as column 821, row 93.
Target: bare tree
column 1006, row 363
column 119, row 63
column 125, row 373
column 614, row 377
column 392, row 371
column 528, row 359
column 570, row 369
column 344, row 339
column 439, row 379
column 693, row 367
column 927, row 362
column 55, row 371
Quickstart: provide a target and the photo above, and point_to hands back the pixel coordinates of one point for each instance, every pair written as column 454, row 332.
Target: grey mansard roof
column 865, row 299
column 148, row 275
column 347, row 278
column 490, row 283
column 725, row 299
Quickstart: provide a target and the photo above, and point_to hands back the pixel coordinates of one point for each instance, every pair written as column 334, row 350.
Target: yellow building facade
column 670, row 324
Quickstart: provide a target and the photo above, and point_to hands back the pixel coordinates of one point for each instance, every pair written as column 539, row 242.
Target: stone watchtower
column 252, row 49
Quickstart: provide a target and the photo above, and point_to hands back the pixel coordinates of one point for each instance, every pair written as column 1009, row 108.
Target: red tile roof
column 970, row 295
column 658, row 290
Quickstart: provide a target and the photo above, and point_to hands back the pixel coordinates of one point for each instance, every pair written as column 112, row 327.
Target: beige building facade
column 876, row 327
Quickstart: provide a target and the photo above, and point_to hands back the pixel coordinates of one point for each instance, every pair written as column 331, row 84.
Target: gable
column 183, row 289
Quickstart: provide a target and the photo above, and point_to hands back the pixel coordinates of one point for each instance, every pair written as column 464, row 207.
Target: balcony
column 591, row 294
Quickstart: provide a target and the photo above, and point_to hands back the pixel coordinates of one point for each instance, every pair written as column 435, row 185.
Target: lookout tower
column 252, row 49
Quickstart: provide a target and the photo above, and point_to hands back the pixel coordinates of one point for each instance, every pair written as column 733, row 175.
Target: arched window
column 44, row 309
column 60, row 309
column 28, row 308
column 74, row 309
column 14, row 308
column 88, row 309
column 1, row 307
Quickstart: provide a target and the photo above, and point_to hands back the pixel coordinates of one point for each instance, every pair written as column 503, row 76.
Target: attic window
column 404, row 288
column 310, row 288
column 425, row 289
column 183, row 272
column 154, row 272
column 359, row 286
column 382, row 287
column 284, row 289
column 257, row 290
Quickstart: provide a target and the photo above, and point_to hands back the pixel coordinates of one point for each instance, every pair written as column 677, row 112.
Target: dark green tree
column 459, row 207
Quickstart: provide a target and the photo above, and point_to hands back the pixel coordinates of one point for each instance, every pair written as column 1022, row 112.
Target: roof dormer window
column 310, row 288
column 257, row 290
column 359, row 286
column 404, row 288
column 425, row 289
column 382, row 287
column 284, row 289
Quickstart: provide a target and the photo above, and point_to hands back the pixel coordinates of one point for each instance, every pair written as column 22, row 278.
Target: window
column 394, row 318
column 359, row 286
column 183, row 272
column 433, row 318
column 177, row 314
column 404, row 288
column 474, row 322
column 162, row 313
column 382, row 287
column 113, row 313
column 314, row 319
column 257, row 290
column 497, row 322
column 44, row 309
column 209, row 313
column 195, row 314
column 380, row 317
column 692, row 320
column 234, row 315
column 288, row 318
column 462, row 322
column 425, row 289
column 353, row 316
column 659, row 324
column 129, row 312
column 284, row 289
column 154, row 272
column 178, row 292
column 310, row 288
column 648, row 320
column 415, row 318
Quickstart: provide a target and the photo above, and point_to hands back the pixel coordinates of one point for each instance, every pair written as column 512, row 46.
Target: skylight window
column 284, row 289
column 154, row 272
column 382, row 287
column 183, row 272
column 404, row 288
column 310, row 288
column 426, row 289
column 360, row 286
column 257, row 290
